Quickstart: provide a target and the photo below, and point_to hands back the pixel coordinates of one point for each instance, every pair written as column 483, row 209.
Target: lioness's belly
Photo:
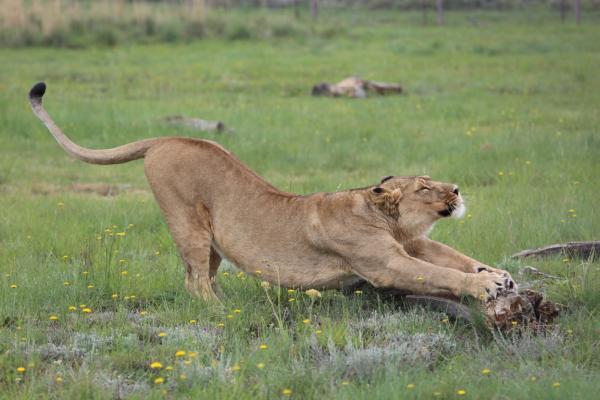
column 304, row 271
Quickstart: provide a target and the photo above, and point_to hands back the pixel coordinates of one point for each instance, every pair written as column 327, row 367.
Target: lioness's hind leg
column 191, row 231
column 214, row 262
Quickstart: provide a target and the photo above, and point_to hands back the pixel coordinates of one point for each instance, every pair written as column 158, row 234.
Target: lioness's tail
column 117, row 155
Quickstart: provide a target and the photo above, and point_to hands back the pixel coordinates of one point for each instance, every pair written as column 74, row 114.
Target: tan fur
column 355, row 87
column 218, row 208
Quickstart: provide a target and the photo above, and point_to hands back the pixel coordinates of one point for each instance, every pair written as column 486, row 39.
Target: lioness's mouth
column 447, row 211
column 455, row 210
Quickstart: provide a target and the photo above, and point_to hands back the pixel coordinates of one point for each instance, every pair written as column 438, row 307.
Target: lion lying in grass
column 217, row 208
column 355, row 87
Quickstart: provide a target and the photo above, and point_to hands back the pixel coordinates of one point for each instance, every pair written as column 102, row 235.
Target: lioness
column 217, row 208
column 355, row 87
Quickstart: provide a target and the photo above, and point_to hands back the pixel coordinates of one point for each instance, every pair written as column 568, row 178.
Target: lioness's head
column 416, row 202
column 321, row 89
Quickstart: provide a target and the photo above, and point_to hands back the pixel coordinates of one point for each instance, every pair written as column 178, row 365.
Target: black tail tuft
column 37, row 91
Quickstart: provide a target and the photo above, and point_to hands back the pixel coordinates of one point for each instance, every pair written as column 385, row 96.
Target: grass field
column 91, row 287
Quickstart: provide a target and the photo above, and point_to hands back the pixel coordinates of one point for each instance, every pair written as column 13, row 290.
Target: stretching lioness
column 218, row 208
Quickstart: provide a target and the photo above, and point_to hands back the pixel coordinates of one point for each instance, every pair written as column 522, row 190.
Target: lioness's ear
column 387, row 200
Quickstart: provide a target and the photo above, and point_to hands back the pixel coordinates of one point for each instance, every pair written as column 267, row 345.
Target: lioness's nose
column 455, row 191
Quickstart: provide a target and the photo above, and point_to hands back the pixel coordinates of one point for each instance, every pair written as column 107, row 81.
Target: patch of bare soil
column 98, row 189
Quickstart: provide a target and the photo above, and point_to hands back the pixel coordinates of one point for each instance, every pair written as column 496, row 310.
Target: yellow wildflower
column 258, row 272
column 220, row 325
column 318, row 332
column 162, row 334
column 124, row 273
column 235, row 367
column 60, row 204
column 72, row 308
column 265, row 285
column 263, row 346
column 168, row 368
column 21, row 370
column 260, row 365
column 159, row 380
column 183, row 377
column 58, row 379
column 485, row 371
column 156, row 365
column 66, row 283
column 225, row 273
column 291, row 299
column 114, row 296
column 53, row 318
column 90, row 286
column 306, row 321
column 192, row 321
column 192, row 354
column 291, row 291
column 286, row 392
column 410, row 386
column 179, row 353
column 461, row 392
column 313, row 293
column 13, row 286
column 121, row 233
column 87, row 310
column 556, row 385
column 237, row 311
column 358, row 292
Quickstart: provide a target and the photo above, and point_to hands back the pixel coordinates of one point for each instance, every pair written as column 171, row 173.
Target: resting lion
column 217, row 208
column 355, row 87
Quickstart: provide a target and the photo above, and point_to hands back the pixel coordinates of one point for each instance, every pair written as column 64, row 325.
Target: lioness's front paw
column 489, row 285
column 509, row 283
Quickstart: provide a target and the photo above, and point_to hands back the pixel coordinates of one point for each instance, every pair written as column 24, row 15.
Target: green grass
column 504, row 108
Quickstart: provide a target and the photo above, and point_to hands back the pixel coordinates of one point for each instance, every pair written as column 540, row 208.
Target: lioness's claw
column 507, row 284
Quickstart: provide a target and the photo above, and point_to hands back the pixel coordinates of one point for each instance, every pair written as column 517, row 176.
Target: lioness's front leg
column 394, row 268
column 439, row 254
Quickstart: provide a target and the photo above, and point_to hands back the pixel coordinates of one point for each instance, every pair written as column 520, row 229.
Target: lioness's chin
column 459, row 211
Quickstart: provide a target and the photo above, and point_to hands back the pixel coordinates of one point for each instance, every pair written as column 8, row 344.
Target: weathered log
column 452, row 308
column 588, row 250
column 509, row 311
column 197, row 123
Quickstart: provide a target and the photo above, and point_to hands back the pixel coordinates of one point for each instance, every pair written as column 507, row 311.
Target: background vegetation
column 91, row 286
column 84, row 23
